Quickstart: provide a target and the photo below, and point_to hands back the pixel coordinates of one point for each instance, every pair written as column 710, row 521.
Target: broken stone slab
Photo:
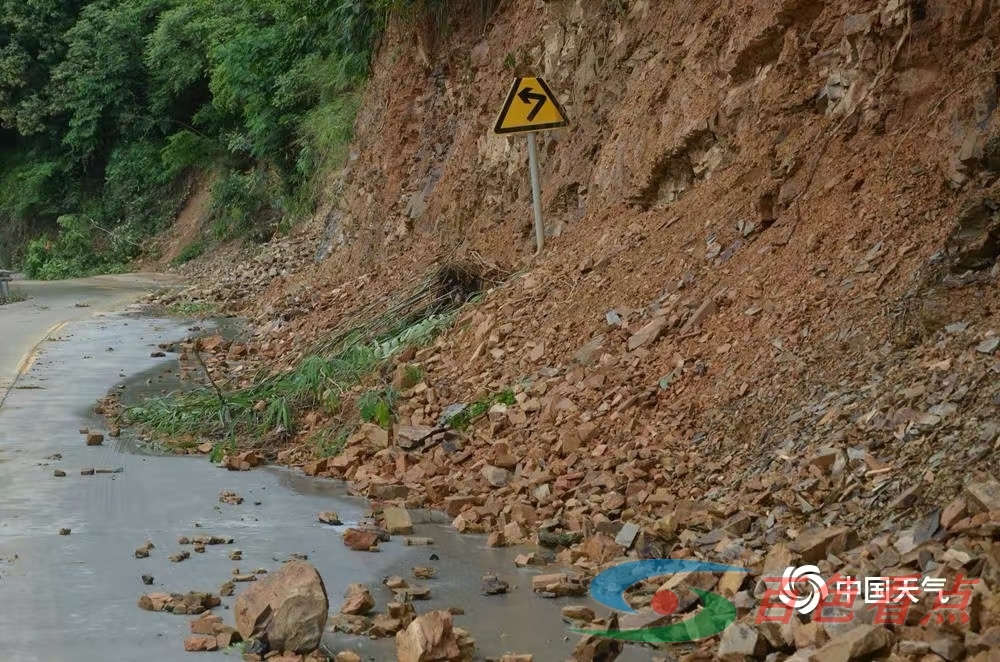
column 699, row 316
column 814, row 545
column 648, row 334
column 742, row 640
column 207, row 623
column 417, row 541
column 578, row 613
column 496, row 476
column 397, row 520
column 855, row 644
column 556, row 585
column 627, row 535
column 412, row 593
column 193, row 603
column 984, row 496
column 599, row 649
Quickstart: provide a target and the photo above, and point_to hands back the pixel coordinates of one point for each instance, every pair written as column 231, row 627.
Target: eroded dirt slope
column 767, row 299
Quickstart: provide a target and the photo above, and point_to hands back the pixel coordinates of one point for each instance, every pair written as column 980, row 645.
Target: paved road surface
column 74, row 597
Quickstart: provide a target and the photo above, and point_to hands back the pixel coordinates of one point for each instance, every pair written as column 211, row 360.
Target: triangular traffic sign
column 530, row 106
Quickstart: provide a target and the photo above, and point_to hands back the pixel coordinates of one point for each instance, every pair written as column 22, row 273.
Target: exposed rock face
column 289, row 607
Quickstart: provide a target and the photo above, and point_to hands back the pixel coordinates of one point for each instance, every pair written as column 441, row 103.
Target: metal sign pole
column 536, row 193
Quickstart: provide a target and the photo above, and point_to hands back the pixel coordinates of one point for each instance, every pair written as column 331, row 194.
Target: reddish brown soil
column 805, row 166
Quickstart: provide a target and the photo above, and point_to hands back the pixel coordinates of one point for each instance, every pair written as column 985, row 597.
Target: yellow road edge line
column 29, row 358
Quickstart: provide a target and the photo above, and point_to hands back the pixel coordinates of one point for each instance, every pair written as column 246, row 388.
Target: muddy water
column 74, row 597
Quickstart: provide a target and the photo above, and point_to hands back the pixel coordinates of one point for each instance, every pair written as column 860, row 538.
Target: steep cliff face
column 746, row 107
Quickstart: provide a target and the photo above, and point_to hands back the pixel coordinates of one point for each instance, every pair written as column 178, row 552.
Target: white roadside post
column 531, row 107
column 536, row 193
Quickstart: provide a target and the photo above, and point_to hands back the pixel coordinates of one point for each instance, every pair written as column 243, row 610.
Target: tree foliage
column 107, row 106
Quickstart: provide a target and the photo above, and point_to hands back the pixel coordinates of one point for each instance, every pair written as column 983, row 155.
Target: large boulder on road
column 289, row 608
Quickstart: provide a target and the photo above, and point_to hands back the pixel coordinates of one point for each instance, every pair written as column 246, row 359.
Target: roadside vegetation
column 110, row 108
column 12, row 295
column 347, row 378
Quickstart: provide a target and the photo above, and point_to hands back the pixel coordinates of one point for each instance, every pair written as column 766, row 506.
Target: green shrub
column 190, row 252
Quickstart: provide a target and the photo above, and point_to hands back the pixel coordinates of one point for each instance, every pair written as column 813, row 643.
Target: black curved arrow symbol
column 527, row 96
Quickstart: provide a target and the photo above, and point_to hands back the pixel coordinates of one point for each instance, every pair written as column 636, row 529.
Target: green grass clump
column 464, row 418
column 191, row 308
column 191, row 251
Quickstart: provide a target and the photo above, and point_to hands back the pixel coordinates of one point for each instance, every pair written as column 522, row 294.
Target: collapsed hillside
column 767, row 301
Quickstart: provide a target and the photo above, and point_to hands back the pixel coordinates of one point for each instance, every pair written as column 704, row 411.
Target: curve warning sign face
column 530, row 106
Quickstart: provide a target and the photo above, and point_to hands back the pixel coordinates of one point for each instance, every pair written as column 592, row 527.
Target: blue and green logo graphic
column 609, row 588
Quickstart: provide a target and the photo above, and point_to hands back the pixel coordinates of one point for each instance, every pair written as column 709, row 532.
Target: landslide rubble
column 763, row 331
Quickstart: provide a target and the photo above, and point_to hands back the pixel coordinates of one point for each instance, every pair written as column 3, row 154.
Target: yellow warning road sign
column 530, row 106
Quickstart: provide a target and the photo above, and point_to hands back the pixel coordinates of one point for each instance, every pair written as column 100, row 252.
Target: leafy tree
column 107, row 105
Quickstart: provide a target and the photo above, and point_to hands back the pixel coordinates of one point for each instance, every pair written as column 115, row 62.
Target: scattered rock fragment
column 418, row 541
column 230, row 497
column 855, row 644
column 493, row 585
column 578, row 613
column 147, row 580
column 743, row 641
column 599, row 649
column 358, row 600
column 360, row 540
column 95, row 438
column 242, row 462
column 289, row 607
column 529, row 559
column 397, row 521
column 65, row 531
column 329, row 517
column 984, row 496
column 207, row 623
column 193, row 602
column 143, row 550
column 424, row 572
column 182, row 555
column 557, row 585
column 816, row 544
column 59, row 473
column 432, row 637
column 196, row 643
column 86, row 472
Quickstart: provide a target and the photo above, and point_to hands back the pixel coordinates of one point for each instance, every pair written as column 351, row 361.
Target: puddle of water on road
column 276, row 519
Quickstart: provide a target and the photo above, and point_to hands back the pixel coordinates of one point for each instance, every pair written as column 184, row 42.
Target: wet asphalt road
column 74, row 597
